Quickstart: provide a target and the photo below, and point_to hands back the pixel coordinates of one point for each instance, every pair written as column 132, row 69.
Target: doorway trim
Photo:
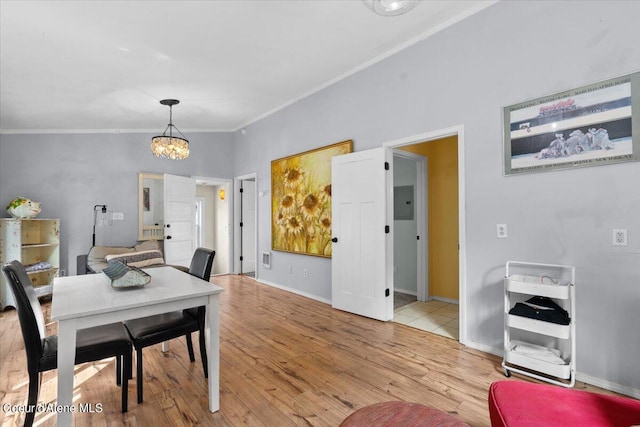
column 422, row 256
column 458, row 131
column 236, row 222
column 200, row 215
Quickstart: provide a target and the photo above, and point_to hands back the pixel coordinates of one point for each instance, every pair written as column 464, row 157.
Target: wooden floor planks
column 286, row 360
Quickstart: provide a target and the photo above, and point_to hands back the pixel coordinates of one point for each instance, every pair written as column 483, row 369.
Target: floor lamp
column 100, row 217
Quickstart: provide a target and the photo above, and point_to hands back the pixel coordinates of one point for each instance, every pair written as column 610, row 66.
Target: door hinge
column 241, row 257
column 386, row 166
column 241, row 224
column 387, row 229
column 418, row 237
column 386, row 292
column 242, row 190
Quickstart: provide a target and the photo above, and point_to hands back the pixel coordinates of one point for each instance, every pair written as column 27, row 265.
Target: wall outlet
column 118, row 216
column 620, row 237
column 501, row 231
column 305, row 272
column 62, row 272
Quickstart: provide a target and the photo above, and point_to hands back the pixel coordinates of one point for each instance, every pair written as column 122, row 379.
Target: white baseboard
column 406, row 291
column 447, row 300
column 608, row 385
column 598, row 382
column 294, row 291
column 484, row 348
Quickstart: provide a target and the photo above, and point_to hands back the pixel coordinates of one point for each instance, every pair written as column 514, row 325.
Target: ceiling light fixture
column 390, row 7
column 169, row 146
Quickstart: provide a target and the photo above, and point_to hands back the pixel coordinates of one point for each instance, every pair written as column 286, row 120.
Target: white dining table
column 89, row 300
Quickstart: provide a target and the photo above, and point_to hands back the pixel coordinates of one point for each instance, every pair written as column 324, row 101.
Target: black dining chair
column 92, row 344
column 159, row 328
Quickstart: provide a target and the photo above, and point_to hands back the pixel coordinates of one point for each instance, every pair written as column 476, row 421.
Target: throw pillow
column 138, row 259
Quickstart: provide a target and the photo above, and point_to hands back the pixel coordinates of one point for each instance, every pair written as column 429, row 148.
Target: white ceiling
column 105, row 65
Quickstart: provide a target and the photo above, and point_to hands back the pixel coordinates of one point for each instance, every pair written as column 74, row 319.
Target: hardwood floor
column 285, row 361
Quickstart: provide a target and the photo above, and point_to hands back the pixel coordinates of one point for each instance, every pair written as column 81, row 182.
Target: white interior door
column 361, row 270
column 179, row 219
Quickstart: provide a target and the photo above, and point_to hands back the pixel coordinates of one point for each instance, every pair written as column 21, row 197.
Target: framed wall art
column 301, row 200
column 598, row 124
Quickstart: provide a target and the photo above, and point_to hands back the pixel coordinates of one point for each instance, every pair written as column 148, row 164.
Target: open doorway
column 212, row 219
column 410, row 229
column 441, row 307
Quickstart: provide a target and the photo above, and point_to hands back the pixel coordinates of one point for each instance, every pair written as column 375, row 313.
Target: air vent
column 266, row 260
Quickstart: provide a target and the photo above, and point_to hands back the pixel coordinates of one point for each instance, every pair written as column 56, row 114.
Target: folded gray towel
column 38, row 266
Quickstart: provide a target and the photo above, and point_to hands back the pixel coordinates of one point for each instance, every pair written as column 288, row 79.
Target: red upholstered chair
column 524, row 404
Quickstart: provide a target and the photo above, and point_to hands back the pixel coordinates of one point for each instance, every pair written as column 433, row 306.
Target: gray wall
column 69, row 174
column 464, row 75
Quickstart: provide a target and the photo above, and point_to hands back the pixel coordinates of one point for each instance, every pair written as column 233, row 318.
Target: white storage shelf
column 30, row 241
column 556, row 282
column 519, row 284
column 539, row 326
column 536, row 364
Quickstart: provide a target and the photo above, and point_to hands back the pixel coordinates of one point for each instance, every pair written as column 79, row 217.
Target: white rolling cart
column 539, row 348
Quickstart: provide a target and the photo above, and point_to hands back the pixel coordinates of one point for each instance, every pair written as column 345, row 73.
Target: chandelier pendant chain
column 170, row 147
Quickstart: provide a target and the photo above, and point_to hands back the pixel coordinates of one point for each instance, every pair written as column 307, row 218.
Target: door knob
column 168, row 237
column 334, row 240
column 168, row 225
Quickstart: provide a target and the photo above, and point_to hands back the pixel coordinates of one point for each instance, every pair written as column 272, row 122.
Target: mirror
column 150, row 206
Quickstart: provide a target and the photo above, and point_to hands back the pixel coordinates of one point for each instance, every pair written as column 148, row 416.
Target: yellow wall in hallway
column 442, row 188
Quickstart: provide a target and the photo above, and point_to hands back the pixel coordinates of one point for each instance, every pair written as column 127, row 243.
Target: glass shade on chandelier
column 390, row 7
column 170, row 146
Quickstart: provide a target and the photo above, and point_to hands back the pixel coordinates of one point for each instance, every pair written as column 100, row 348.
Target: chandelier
column 390, row 7
column 170, row 146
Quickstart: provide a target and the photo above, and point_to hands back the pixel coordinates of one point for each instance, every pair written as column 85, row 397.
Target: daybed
column 142, row 255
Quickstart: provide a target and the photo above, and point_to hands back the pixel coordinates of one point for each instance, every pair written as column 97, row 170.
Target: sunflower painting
column 301, row 200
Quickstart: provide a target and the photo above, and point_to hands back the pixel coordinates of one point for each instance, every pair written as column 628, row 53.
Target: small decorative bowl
column 122, row 276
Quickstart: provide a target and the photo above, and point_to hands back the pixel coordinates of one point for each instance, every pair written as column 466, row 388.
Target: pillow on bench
column 137, row 259
column 96, row 258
